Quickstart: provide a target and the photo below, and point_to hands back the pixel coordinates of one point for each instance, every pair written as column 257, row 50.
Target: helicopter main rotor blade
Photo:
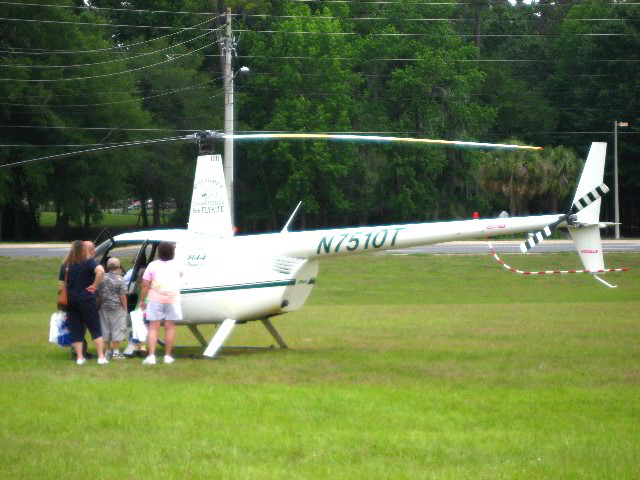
column 375, row 138
column 209, row 135
column 93, row 150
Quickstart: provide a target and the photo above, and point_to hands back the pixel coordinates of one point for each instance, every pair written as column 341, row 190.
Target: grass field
column 400, row 367
column 48, row 219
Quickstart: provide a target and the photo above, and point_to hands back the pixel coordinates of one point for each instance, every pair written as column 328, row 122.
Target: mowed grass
column 48, row 219
column 399, row 367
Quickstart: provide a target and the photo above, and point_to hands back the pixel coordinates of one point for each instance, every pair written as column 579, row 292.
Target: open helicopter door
column 210, row 212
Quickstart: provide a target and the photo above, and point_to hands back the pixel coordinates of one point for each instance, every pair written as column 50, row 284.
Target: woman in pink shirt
column 160, row 297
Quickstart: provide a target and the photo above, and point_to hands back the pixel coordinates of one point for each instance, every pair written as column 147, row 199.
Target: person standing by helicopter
column 161, row 288
column 83, row 276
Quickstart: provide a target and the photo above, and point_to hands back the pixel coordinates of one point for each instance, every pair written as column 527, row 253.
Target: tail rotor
column 569, row 217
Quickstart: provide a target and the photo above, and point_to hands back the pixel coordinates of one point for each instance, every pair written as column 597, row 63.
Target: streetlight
column 616, row 124
column 228, row 131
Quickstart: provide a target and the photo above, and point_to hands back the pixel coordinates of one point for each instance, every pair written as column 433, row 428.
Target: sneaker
column 108, row 354
column 102, row 361
column 168, row 359
column 150, row 360
column 117, row 356
column 81, row 361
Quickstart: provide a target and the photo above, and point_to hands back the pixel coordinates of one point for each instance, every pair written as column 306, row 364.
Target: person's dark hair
column 166, row 251
column 77, row 253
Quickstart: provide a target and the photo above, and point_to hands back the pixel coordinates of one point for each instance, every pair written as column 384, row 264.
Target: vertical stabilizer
column 587, row 237
column 589, row 246
column 209, row 203
column 592, row 176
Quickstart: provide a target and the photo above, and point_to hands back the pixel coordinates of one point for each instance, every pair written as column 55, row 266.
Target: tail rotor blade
column 578, row 205
column 539, row 236
column 589, row 198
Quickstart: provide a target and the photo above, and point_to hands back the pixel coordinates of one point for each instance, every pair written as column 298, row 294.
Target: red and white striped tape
column 547, row 272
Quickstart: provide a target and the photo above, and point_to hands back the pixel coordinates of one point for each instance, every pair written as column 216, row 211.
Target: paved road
column 550, row 246
column 476, row 247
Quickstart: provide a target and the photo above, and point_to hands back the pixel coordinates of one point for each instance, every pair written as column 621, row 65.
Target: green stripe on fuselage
column 244, row 286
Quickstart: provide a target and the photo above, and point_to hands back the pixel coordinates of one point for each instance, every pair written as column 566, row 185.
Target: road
column 550, row 246
column 474, row 247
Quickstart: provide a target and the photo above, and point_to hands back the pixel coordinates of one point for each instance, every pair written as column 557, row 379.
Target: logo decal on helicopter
column 208, row 197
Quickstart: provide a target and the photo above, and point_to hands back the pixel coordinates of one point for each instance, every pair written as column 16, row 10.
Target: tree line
column 78, row 75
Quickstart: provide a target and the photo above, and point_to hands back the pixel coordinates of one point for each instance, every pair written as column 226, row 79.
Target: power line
column 93, row 150
column 116, row 129
column 106, row 61
column 92, row 8
column 438, row 35
column 114, row 102
column 441, row 19
column 388, row 75
column 93, row 94
column 413, row 59
column 111, row 25
column 106, row 74
column 118, row 48
column 360, row 132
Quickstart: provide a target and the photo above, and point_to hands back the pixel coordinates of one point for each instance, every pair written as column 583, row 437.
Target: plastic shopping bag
column 138, row 327
column 59, row 331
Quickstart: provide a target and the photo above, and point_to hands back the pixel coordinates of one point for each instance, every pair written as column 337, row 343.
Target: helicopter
column 233, row 279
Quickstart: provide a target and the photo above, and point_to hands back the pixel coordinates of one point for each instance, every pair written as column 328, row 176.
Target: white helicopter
column 235, row 279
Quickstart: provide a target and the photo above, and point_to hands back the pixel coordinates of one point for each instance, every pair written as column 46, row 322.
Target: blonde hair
column 77, row 253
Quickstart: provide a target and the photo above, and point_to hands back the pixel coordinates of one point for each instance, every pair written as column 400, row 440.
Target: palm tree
column 511, row 173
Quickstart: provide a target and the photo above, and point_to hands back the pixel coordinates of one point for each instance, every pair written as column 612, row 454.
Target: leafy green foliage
column 485, row 70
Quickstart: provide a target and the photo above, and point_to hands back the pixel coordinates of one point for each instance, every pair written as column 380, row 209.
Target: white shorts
column 157, row 311
column 114, row 324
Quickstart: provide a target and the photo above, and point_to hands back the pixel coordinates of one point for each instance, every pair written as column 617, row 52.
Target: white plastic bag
column 138, row 327
column 58, row 330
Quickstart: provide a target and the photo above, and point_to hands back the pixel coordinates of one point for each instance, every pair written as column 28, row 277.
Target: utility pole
column 228, row 48
column 616, row 124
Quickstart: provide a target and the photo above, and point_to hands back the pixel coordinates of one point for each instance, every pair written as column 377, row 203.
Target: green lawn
column 48, row 219
column 399, row 367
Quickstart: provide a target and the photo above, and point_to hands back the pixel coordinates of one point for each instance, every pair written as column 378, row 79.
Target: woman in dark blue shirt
column 84, row 275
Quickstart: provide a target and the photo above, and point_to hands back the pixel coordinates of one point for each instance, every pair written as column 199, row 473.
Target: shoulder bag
column 63, row 294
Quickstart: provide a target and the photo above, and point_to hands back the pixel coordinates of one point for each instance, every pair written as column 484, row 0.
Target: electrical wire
column 114, row 102
column 92, row 150
column 111, row 25
column 107, row 61
column 106, row 74
column 245, row 15
column 363, row 132
column 389, row 19
column 413, row 59
column 118, row 48
column 38, row 127
column 92, row 8
column 438, row 35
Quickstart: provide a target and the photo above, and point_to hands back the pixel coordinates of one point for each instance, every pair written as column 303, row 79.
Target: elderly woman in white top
column 160, row 297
